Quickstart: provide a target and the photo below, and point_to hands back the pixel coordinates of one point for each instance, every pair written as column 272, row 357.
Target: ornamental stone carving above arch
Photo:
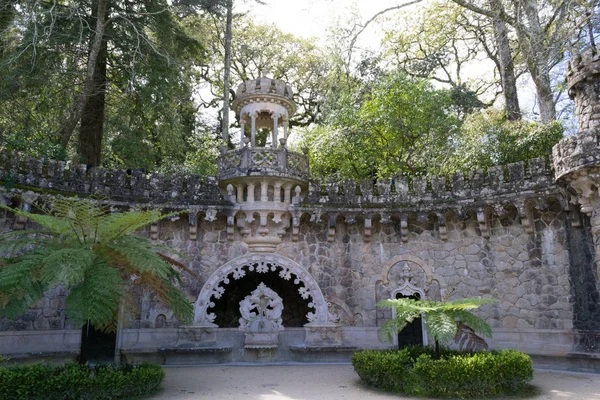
column 409, row 273
column 262, row 263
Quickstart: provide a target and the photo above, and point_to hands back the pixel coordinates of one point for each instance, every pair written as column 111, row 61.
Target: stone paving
column 331, row 382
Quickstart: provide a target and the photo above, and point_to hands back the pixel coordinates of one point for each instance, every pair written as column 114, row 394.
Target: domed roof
column 264, row 89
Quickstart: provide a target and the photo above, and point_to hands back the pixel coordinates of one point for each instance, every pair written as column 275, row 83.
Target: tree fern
column 441, row 318
column 91, row 251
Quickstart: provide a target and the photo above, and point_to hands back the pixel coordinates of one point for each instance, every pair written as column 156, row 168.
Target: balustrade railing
column 263, row 162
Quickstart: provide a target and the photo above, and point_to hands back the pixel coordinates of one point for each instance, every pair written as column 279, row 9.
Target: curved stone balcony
column 265, row 162
column 575, row 153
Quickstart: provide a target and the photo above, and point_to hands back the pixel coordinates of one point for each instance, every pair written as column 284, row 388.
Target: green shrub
column 79, row 382
column 416, row 371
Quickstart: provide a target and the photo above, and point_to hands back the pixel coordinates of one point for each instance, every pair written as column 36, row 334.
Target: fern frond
column 440, row 326
column 468, row 340
column 138, row 258
column 114, row 226
column 97, row 297
column 474, row 322
column 66, row 266
column 390, row 328
column 10, row 248
column 56, row 225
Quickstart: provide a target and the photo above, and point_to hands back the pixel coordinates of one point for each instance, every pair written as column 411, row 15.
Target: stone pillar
column 287, row 194
column 240, row 193
column 242, row 131
column 251, row 193
column 286, row 127
column 275, row 128
column 277, row 192
column 264, row 190
column 253, row 129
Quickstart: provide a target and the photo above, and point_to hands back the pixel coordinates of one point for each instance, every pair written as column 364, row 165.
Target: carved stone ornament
column 262, row 263
column 261, row 311
column 261, row 318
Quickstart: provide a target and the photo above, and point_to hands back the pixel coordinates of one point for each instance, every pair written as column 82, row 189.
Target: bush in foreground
column 79, row 382
column 417, row 371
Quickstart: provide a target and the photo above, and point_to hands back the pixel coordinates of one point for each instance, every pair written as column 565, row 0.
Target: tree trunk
column 506, row 69
column 227, row 72
column 89, row 146
column 66, row 129
column 538, row 61
column 532, row 45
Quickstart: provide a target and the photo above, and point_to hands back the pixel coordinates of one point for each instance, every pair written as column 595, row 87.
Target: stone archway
column 261, row 263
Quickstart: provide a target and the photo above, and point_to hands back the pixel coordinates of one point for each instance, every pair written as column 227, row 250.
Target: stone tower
column 261, row 180
column 577, row 158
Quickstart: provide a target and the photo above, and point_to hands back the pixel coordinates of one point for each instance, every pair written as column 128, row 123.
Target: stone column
column 242, row 131
column 286, row 127
column 240, row 193
column 250, row 192
column 253, row 129
column 277, row 192
column 264, row 190
column 275, row 128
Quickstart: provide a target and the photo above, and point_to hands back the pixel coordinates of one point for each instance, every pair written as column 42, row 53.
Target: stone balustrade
column 263, row 162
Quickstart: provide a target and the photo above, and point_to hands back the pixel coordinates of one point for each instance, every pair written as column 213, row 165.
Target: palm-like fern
column 91, row 252
column 441, row 318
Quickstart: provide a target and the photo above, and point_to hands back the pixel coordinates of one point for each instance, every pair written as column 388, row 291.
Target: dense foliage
column 79, row 382
column 91, row 252
column 147, row 90
column 418, row 371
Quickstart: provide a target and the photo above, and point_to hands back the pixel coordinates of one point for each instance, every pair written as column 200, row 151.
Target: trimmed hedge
column 79, row 382
column 416, row 371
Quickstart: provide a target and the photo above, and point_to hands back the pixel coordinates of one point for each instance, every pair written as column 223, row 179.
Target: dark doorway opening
column 97, row 346
column 412, row 334
column 227, row 308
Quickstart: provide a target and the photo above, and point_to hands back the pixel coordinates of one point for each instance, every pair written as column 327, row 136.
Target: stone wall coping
column 127, row 185
column 513, row 178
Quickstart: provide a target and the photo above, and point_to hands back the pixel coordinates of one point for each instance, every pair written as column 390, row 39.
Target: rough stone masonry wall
column 528, row 273
column 526, row 269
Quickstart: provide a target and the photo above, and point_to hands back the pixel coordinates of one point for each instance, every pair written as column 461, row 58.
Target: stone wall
column 129, row 186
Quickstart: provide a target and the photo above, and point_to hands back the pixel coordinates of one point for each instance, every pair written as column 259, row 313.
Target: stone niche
column 261, row 318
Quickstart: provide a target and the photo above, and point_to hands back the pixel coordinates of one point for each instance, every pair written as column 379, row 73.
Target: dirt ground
column 330, row 382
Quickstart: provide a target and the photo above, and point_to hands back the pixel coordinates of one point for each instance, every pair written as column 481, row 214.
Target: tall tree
column 542, row 29
column 102, row 59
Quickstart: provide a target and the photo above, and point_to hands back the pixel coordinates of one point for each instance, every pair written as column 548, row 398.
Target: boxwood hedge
column 79, row 382
column 417, row 371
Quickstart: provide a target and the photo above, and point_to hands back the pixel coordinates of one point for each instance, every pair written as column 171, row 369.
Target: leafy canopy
column 93, row 254
column 440, row 318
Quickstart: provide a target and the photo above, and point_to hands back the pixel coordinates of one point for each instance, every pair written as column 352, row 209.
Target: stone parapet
column 131, row 185
column 574, row 153
column 263, row 162
column 498, row 180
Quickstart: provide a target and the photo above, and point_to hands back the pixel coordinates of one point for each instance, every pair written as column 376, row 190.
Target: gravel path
column 330, row 382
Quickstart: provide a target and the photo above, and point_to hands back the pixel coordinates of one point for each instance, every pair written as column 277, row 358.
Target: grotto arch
column 239, row 267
